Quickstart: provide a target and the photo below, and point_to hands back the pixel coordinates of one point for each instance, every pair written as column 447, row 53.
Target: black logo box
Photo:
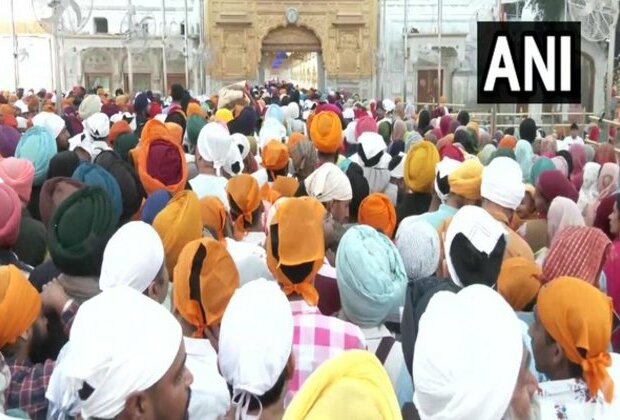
column 488, row 32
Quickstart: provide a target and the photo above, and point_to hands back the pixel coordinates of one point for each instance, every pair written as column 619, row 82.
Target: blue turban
column 95, row 176
column 371, row 276
column 39, row 147
column 525, row 157
column 154, row 204
column 274, row 111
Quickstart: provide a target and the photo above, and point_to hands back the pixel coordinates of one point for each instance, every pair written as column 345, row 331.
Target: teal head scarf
column 371, row 276
column 125, row 143
column 541, row 165
column 525, row 158
column 39, row 147
column 95, row 176
column 194, row 125
column 486, row 154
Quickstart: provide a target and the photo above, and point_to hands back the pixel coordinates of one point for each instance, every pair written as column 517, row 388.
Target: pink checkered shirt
column 317, row 338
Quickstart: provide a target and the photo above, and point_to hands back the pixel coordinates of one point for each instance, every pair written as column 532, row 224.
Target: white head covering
column 272, row 129
column 97, row 126
column 121, row 342
column 418, row 244
column 242, row 143
column 22, row 123
column 214, row 144
column 133, row 257
column 233, row 157
column 349, row 132
column 443, row 169
column 502, row 182
column 49, row 120
column 479, row 227
column 328, row 183
column 292, row 110
column 470, row 369
column 348, row 113
column 589, row 189
column 90, row 105
column 256, row 341
column 398, row 171
column 130, row 118
column 372, row 143
column 388, row 105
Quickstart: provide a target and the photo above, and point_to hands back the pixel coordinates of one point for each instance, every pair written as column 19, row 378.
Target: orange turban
column 287, row 186
column 578, row 316
column 466, row 179
column 275, row 156
column 213, row 215
column 118, row 128
column 194, row 109
column 178, row 224
column 176, row 131
column 507, row 142
column 244, row 194
column 377, row 211
column 326, row 132
column 159, row 160
column 518, row 282
column 294, row 139
column 298, row 239
column 214, row 284
column 20, row 304
column 419, row 169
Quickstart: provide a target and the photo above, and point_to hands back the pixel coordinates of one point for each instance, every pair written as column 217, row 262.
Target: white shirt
column 210, row 185
column 210, row 397
column 250, row 259
column 569, row 141
column 255, row 238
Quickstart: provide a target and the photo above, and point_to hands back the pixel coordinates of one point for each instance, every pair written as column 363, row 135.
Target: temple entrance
column 292, row 54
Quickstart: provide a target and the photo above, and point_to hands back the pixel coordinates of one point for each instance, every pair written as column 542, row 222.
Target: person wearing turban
column 90, row 105
column 205, row 278
column 326, row 135
column 371, row 280
column 445, row 364
column 53, row 192
column 132, row 192
column 304, row 157
column 330, row 186
column 571, row 336
column 214, row 145
column 118, row 128
column 18, row 174
column 148, row 378
column 295, row 253
column 518, row 282
column 245, row 208
column 419, row 246
column 223, row 115
column 55, row 125
column 178, row 224
column 502, row 192
column 214, row 217
column 351, row 385
column 372, row 157
column 377, row 211
column 245, row 122
column 474, row 247
column 63, row 164
column 9, row 138
column 419, row 175
column 275, row 159
column 194, row 125
column 38, row 146
column 359, row 187
column 259, row 317
column 134, row 257
column 10, row 221
column 124, row 144
column 155, row 203
column 96, row 176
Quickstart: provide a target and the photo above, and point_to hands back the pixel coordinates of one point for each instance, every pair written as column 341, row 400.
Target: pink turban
column 365, row 124
column 10, row 216
column 19, row 175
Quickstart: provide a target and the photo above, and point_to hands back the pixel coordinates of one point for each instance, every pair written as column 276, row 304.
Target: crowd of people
column 271, row 252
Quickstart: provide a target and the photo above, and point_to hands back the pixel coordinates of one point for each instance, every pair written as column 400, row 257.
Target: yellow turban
column 466, row 179
column 178, row 224
column 20, row 304
column 352, row 385
column 224, row 115
column 419, row 171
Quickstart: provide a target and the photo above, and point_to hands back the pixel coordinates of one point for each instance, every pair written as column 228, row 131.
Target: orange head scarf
column 293, row 139
column 579, row 316
column 213, row 215
column 243, row 192
column 377, row 211
column 275, row 156
column 118, row 128
column 176, row 131
column 326, row 132
column 194, row 109
column 205, row 279
column 20, row 304
column 286, row 186
column 177, row 224
column 519, row 281
column 154, row 170
column 296, row 237
column 507, row 142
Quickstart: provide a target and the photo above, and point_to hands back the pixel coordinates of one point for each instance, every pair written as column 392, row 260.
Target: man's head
column 572, row 330
column 332, row 187
column 464, row 183
column 574, row 130
column 177, row 91
column 502, row 185
column 143, row 378
column 134, row 257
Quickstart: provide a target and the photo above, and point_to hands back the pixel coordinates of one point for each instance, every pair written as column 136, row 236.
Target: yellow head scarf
column 419, row 170
column 20, row 304
column 178, row 224
column 466, row 179
column 352, row 385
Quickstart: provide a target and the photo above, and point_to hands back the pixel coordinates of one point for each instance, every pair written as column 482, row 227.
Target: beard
column 47, row 346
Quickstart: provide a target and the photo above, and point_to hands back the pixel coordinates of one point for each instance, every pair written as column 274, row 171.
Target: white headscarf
column 589, row 189
column 233, row 157
column 97, row 126
column 121, row 342
column 373, row 144
column 470, row 369
column 479, row 227
column 133, row 257
column 214, row 144
column 256, row 341
column 242, row 144
column 272, row 129
column 418, row 244
column 442, row 170
column 328, row 183
column 49, row 120
column 502, row 182
column 130, row 118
